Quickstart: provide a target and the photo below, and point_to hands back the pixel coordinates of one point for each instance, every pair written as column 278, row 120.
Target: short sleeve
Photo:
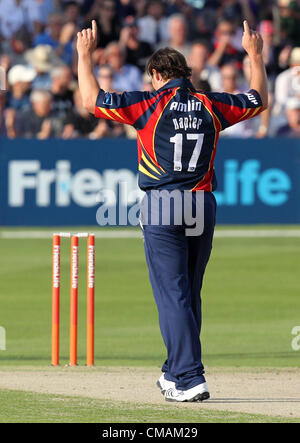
column 234, row 108
column 126, row 108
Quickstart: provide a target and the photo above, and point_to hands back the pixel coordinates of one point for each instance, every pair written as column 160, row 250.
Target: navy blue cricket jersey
column 177, row 130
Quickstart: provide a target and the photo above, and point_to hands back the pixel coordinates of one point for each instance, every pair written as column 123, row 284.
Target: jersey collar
column 175, row 83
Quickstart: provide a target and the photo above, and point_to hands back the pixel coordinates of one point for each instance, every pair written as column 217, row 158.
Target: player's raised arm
column 89, row 88
column 253, row 45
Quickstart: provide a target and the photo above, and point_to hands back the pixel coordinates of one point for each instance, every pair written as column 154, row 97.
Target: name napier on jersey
column 188, row 122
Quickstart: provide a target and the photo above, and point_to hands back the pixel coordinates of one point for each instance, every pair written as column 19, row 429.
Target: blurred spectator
column 125, row 77
column 105, row 78
column 177, row 35
column 130, row 131
column 230, row 79
column 261, row 130
column 43, row 59
column 85, row 6
column 147, row 83
column 202, row 85
column 140, row 7
column 289, row 20
column 10, row 122
column 114, row 129
column 204, row 25
column 16, row 46
column 5, row 64
column 288, row 82
column 45, row 8
column 15, row 14
column 62, row 94
column 38, row 41
column 198, row 61
column 177, row 6
column 237, row 10
column 266, row 29
column 230, row 10
column 80, row 123
column 231, row 85
column 39, row 121
column 104, row 12
column 224, row 50
column 189, row 12
column 3, row 132
column 117, row 130
column 59, row 36
column 154, row 25
column 284, row 58
column 71, row 11
column 292, row 128
column 137, row 52
column 20, row 78
column 125, row 8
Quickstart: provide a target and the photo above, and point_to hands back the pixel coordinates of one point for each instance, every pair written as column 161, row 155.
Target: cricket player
column 177, row 134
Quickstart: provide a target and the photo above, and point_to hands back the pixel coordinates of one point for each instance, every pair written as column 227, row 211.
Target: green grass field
column 250, row 304
column 29, row 407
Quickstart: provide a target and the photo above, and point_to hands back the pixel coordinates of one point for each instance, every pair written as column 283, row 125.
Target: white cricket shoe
column 197, row 393
column 164, row 384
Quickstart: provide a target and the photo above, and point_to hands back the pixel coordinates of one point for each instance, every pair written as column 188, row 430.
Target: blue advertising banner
column 58, row 182
column 258, row 181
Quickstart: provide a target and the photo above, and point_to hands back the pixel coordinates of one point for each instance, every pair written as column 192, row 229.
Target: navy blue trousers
column 176, row 264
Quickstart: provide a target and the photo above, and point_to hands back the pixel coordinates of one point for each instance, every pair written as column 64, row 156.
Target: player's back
column 183, row 135
column 177, row 130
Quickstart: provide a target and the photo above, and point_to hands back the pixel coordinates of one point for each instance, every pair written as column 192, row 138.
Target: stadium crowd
column 39, row 60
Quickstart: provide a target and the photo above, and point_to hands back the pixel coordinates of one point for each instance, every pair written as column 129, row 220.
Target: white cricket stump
column 2, row 339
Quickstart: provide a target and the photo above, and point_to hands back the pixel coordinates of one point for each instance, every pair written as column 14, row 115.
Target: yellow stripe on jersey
column 149, row 164
column 105, row 112
column 144, row 171
column 147, row 154
column 246, row 113
column 117, row 114
column 256, row 111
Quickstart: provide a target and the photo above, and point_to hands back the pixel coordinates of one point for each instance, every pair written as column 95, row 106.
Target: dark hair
column 169, row 63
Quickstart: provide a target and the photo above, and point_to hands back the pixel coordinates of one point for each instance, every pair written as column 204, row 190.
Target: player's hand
column 87, row 40
column 252, row 41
